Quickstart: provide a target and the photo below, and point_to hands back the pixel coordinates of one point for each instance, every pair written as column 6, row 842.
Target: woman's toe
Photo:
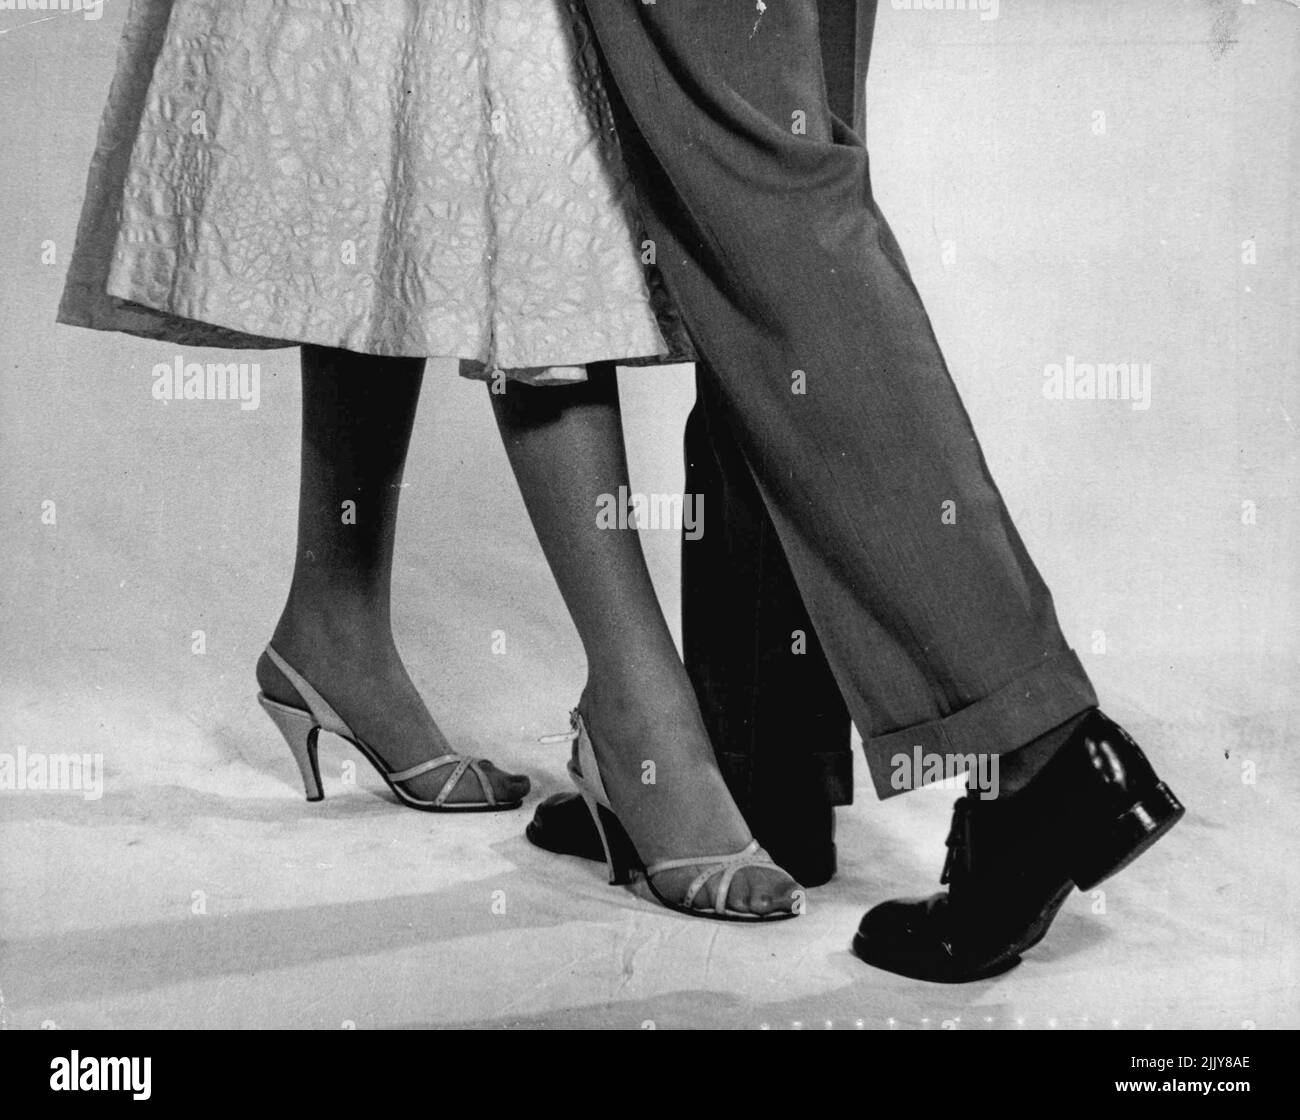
column 766, row 892
column 506, row 786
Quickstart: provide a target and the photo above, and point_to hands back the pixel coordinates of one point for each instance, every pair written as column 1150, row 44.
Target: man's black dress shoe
column 1095, row 807
column 562, row 824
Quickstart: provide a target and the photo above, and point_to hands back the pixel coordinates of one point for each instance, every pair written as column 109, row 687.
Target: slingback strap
column 461, row 763
column 752, row 855
column 583, row 766
column 320, row 710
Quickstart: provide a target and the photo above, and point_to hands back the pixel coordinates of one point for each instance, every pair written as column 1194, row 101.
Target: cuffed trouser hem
column 1031, row 705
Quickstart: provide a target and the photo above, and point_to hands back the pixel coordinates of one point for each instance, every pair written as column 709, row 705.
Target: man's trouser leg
column 774, row 713
column 939, row 630
column 769, row 699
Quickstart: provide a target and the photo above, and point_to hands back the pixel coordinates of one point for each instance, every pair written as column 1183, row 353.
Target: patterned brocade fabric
column 392, row 177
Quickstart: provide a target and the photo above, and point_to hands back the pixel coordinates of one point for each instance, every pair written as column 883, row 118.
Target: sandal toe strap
column 453, row 780
column 460, row 763
column 485, row 786
column 750, row 856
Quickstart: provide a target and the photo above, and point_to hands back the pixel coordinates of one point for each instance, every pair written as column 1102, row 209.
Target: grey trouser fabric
column 819, row 354
column 778, row 724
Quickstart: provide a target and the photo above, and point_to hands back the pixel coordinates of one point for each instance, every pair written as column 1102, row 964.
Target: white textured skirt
column 391, row 177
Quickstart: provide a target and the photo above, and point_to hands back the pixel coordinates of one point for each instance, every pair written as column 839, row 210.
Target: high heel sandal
column 621, row 856
column 302, row 727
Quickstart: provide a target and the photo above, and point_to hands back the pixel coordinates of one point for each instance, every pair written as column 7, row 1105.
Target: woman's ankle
column 640, row 703
column 353, row 622
column 318, row 641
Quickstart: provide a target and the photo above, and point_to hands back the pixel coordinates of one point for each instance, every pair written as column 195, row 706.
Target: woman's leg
column 566, row 447
column 357, row 415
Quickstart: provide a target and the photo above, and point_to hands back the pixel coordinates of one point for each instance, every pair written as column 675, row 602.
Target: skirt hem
column 159, row 324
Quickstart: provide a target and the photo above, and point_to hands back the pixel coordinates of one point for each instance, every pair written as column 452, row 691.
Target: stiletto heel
column 613, row 839
column 301, row 728
column 300, row 731
column 621, row 856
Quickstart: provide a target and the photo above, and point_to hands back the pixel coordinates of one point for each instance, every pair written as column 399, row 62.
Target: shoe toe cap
column 906, row 936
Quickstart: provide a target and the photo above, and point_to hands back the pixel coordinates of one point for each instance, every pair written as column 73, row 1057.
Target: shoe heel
column 300, row 731
column 1129, row 835
column 612, row 839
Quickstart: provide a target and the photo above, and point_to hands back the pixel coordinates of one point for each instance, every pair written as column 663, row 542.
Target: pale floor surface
column 203, row 891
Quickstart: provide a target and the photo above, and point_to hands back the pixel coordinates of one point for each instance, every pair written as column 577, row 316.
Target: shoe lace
column 957, row 864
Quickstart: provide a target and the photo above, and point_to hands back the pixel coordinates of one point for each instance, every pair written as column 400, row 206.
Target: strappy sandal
column 302, row 727
column 622, row 859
